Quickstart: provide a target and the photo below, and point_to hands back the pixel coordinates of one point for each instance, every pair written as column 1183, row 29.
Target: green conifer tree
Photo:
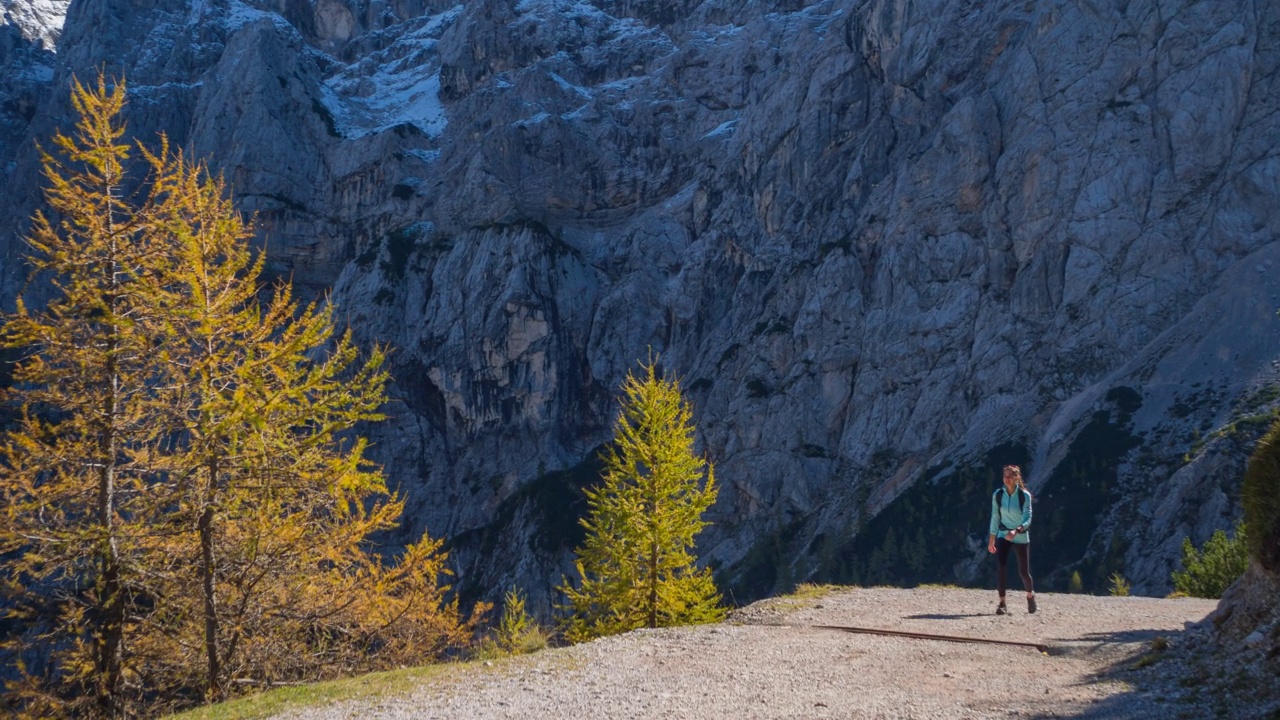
column 1119, row 585
column 1207, row 573
column 635, row 565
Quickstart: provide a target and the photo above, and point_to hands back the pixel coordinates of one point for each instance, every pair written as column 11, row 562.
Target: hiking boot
column 1031, row 604
column 1001, row 609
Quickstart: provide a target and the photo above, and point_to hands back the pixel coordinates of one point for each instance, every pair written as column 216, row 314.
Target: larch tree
column 635, row 566
column 188, row 507
column 76, row 504
column 263, row 398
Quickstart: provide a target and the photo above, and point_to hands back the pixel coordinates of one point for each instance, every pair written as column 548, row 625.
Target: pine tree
column 635, row 564
column 73, row 483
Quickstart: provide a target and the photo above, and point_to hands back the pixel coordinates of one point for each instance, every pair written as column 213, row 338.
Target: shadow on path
column 1145, row 695
column 938, row 616
column 1123, row 636
column 1184, row 682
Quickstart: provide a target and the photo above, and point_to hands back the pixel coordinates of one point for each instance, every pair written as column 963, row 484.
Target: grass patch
column 274, row 702
column 1159, row 644
column 1264, row 396
column 531, row 640
column 807, row 592
column 1147, row 660
column 805, row 596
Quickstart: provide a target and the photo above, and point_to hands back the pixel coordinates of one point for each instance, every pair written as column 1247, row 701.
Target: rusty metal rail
column 930, row 636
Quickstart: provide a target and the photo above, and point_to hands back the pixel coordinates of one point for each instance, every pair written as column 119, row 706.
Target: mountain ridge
column 887, row 245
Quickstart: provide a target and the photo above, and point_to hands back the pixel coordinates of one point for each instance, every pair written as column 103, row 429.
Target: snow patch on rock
column 394, row 86
column 39, row 20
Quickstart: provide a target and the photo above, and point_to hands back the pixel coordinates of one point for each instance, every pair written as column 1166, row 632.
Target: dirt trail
column 769, row 662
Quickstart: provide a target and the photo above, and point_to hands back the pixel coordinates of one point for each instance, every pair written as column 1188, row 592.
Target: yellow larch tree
column 188, row 510
column 635, row 566
column 75, row 500
column 264, row 399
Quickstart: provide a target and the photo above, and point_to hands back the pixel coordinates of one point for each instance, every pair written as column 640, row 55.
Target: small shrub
column 517, row 632
column 1119, row 586
column 515, row 624
column 1159, row 644
column 1208, row 573
column 515, row 619
column 1076, row 585
column 1261, row 498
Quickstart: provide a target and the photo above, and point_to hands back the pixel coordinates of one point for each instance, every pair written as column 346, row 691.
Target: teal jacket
column 1006, row 516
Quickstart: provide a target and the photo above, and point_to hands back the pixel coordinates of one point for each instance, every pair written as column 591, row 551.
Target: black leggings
column 1023, row 551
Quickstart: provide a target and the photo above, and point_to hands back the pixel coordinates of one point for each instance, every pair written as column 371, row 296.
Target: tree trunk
column 213, row 690
column 110, row 639
column 111, row 630
column 653, row 583
column 651, row 510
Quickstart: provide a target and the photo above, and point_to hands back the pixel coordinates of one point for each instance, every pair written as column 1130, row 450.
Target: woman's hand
column 991, row 544
column 1009, row 536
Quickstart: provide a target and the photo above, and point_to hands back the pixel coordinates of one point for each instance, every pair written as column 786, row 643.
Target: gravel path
column 768, row 662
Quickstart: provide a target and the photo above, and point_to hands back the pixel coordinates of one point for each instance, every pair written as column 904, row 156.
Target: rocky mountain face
column 888, row 245
column 28, row 32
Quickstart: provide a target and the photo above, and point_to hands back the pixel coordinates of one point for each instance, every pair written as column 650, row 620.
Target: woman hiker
column 1010, row 518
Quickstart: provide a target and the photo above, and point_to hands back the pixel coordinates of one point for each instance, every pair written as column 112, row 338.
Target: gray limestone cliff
column 887, row 246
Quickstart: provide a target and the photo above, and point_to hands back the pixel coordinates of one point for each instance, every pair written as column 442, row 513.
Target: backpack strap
column 1001, row 494
column 1022, row 498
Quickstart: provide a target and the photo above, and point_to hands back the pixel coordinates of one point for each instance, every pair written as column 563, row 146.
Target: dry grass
column 805, row 595
column 274, row 702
